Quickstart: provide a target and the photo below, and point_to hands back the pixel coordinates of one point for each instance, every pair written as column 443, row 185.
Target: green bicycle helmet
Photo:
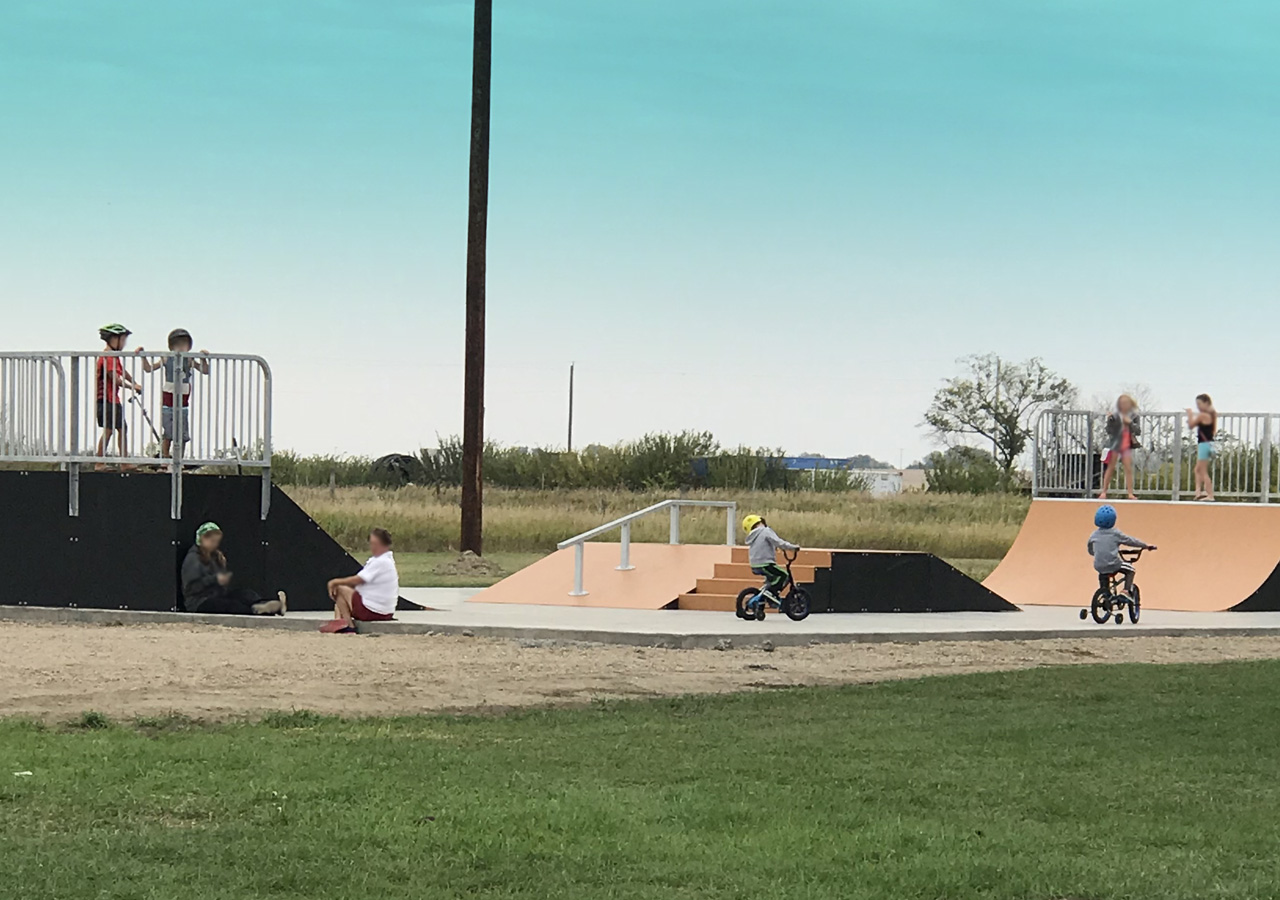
column 206, row 528
column 115, row 329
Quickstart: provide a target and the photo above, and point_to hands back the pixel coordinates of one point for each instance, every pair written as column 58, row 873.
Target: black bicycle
column 1111, row 601
column 752, row 602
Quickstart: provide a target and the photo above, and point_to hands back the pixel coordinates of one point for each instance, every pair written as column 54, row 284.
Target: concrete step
column 711, row 602
column 803, row 574
column 821, row 558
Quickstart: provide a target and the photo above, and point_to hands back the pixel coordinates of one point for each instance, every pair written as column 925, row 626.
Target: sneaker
column 337, row 626
column 284, row 603
column 266, row 608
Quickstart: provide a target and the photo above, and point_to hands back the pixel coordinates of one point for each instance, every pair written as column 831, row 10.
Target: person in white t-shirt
column 371, row 594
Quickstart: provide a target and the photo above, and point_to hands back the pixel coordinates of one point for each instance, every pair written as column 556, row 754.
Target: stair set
column 720, row 592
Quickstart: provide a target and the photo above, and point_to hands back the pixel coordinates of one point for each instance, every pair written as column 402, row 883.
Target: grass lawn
column 1092, row 782
column 418, row 569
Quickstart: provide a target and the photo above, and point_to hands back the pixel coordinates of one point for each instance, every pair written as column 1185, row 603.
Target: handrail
column 624, row 523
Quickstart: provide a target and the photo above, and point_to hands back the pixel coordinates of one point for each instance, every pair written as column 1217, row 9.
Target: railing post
column 1088, row 456
column 731, row 527
column 1177, row 458
column 625, row 564
column 176, row 444
column 73, row 467
column 578, row 552
column 675, row 524
column 1264, row 487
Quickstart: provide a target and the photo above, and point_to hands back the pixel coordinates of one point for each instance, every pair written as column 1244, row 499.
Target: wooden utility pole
column 477, row 230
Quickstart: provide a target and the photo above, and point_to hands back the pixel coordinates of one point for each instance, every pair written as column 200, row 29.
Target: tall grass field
column 954, row 526
column 1133, row 782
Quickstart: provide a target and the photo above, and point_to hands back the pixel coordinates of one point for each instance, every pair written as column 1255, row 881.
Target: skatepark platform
column 1212, row 557
column 708, row 578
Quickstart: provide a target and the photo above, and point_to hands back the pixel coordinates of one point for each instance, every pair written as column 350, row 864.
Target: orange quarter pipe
column 1212, row 556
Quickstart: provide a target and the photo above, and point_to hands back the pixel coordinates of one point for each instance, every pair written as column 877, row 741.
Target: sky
column 782, row 222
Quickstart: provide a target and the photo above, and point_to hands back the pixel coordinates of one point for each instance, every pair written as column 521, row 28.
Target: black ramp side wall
column 1265, row 599
column 905, row 582
column 123, row 550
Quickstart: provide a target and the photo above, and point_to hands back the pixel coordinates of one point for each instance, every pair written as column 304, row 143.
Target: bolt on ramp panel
column 1212, row 556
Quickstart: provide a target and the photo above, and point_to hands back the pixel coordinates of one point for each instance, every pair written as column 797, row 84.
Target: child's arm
column 778, row 542
column 1132, row 541
column 1193, row 418
column 1090, row 547
column 202, row 365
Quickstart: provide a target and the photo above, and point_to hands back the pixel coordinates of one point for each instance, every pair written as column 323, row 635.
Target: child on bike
column 1104, row 547
column 763, row 544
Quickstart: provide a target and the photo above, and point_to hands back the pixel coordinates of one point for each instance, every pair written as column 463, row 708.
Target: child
column 109, row 375
column 1123, row 429
column 1105, row 544
column 179, row 342
column 763, row 544
column 1204, row 419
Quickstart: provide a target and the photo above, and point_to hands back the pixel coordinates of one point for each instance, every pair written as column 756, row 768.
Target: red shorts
column 362, row 613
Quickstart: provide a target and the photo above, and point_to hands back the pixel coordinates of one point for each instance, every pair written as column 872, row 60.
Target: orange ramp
column 661, row 573
column 1212, row 556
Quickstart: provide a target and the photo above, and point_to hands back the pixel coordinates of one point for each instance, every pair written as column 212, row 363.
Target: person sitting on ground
column 1204, row 419
column 206, row 582
column 763, row 545
column 371, row 594
column 1123, row 429
column 176, row 383
column 109, row 376
column 1104, row 546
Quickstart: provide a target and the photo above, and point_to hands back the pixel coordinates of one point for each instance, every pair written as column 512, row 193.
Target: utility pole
column 477, row 231
column 570, row 407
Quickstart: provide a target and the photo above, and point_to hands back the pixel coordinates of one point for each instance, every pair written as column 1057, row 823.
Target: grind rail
column 624, row 524
column 54, row 406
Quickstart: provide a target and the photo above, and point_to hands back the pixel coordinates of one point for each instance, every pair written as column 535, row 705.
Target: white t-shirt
column 380, row 584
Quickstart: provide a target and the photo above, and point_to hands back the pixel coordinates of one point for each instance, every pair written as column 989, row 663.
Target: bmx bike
column 1111, row 601
column 794, row 602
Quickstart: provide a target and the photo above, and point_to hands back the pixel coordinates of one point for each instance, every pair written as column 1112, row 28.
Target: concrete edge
column 672, row 640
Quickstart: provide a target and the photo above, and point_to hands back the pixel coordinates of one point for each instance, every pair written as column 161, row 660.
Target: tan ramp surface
column 1212, row 556
column 662, row 573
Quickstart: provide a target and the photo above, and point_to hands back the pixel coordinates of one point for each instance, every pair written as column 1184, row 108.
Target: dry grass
column 953, row 526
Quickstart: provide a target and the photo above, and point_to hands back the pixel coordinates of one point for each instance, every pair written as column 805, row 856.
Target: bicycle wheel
column 1135, row 605
column 740, row 605
column 1100, row 606
column 797, row 605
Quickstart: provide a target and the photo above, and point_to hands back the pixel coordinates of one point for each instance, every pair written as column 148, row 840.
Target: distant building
column 880, row 482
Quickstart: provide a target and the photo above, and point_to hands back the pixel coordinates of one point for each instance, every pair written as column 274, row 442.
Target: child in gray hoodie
column 763, row 544
column 1104, row 547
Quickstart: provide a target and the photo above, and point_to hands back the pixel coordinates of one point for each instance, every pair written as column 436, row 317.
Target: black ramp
column 1265, row 599
column 301, row 557
column 867, row 581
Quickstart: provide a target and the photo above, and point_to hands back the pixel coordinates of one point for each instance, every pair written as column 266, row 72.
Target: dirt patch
column 469, row 565
column 55, row 672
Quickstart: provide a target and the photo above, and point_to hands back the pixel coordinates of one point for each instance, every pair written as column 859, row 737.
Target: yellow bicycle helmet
column 751, row 522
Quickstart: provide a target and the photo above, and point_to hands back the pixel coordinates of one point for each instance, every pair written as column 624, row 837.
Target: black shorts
column 110, row 415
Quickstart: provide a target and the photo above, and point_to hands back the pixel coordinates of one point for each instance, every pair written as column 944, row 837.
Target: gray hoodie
column 1105, row 544
column 763, row 544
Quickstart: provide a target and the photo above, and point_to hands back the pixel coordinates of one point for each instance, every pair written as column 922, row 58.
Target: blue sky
column 780, row 221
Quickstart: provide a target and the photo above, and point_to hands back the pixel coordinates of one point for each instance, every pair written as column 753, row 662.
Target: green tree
column 964, row 470
column 997, row 401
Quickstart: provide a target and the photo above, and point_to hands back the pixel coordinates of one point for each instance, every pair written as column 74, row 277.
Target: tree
column 997, row 401
column 964, row 470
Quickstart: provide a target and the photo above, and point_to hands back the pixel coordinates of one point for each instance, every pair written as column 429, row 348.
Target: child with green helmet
column 109, row 375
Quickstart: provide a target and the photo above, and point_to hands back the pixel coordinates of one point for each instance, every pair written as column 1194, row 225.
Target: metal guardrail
column 1068, row 448
column 55, row 408
column 578, row 542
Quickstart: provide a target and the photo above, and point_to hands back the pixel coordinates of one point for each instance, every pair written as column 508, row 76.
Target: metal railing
column 1068, row 449
column 170, row 411
column 578, row 542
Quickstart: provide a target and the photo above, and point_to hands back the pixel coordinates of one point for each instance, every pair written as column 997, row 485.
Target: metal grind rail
column 624, row 524
column 137, row 411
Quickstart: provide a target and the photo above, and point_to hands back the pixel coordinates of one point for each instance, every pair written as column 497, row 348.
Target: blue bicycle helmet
column 1105, row 517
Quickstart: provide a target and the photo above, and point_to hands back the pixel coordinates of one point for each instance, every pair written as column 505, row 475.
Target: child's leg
column 1128, row 476
column 1128, row 579
column 166, row 448
column 1107, row 472
column 104, row 441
